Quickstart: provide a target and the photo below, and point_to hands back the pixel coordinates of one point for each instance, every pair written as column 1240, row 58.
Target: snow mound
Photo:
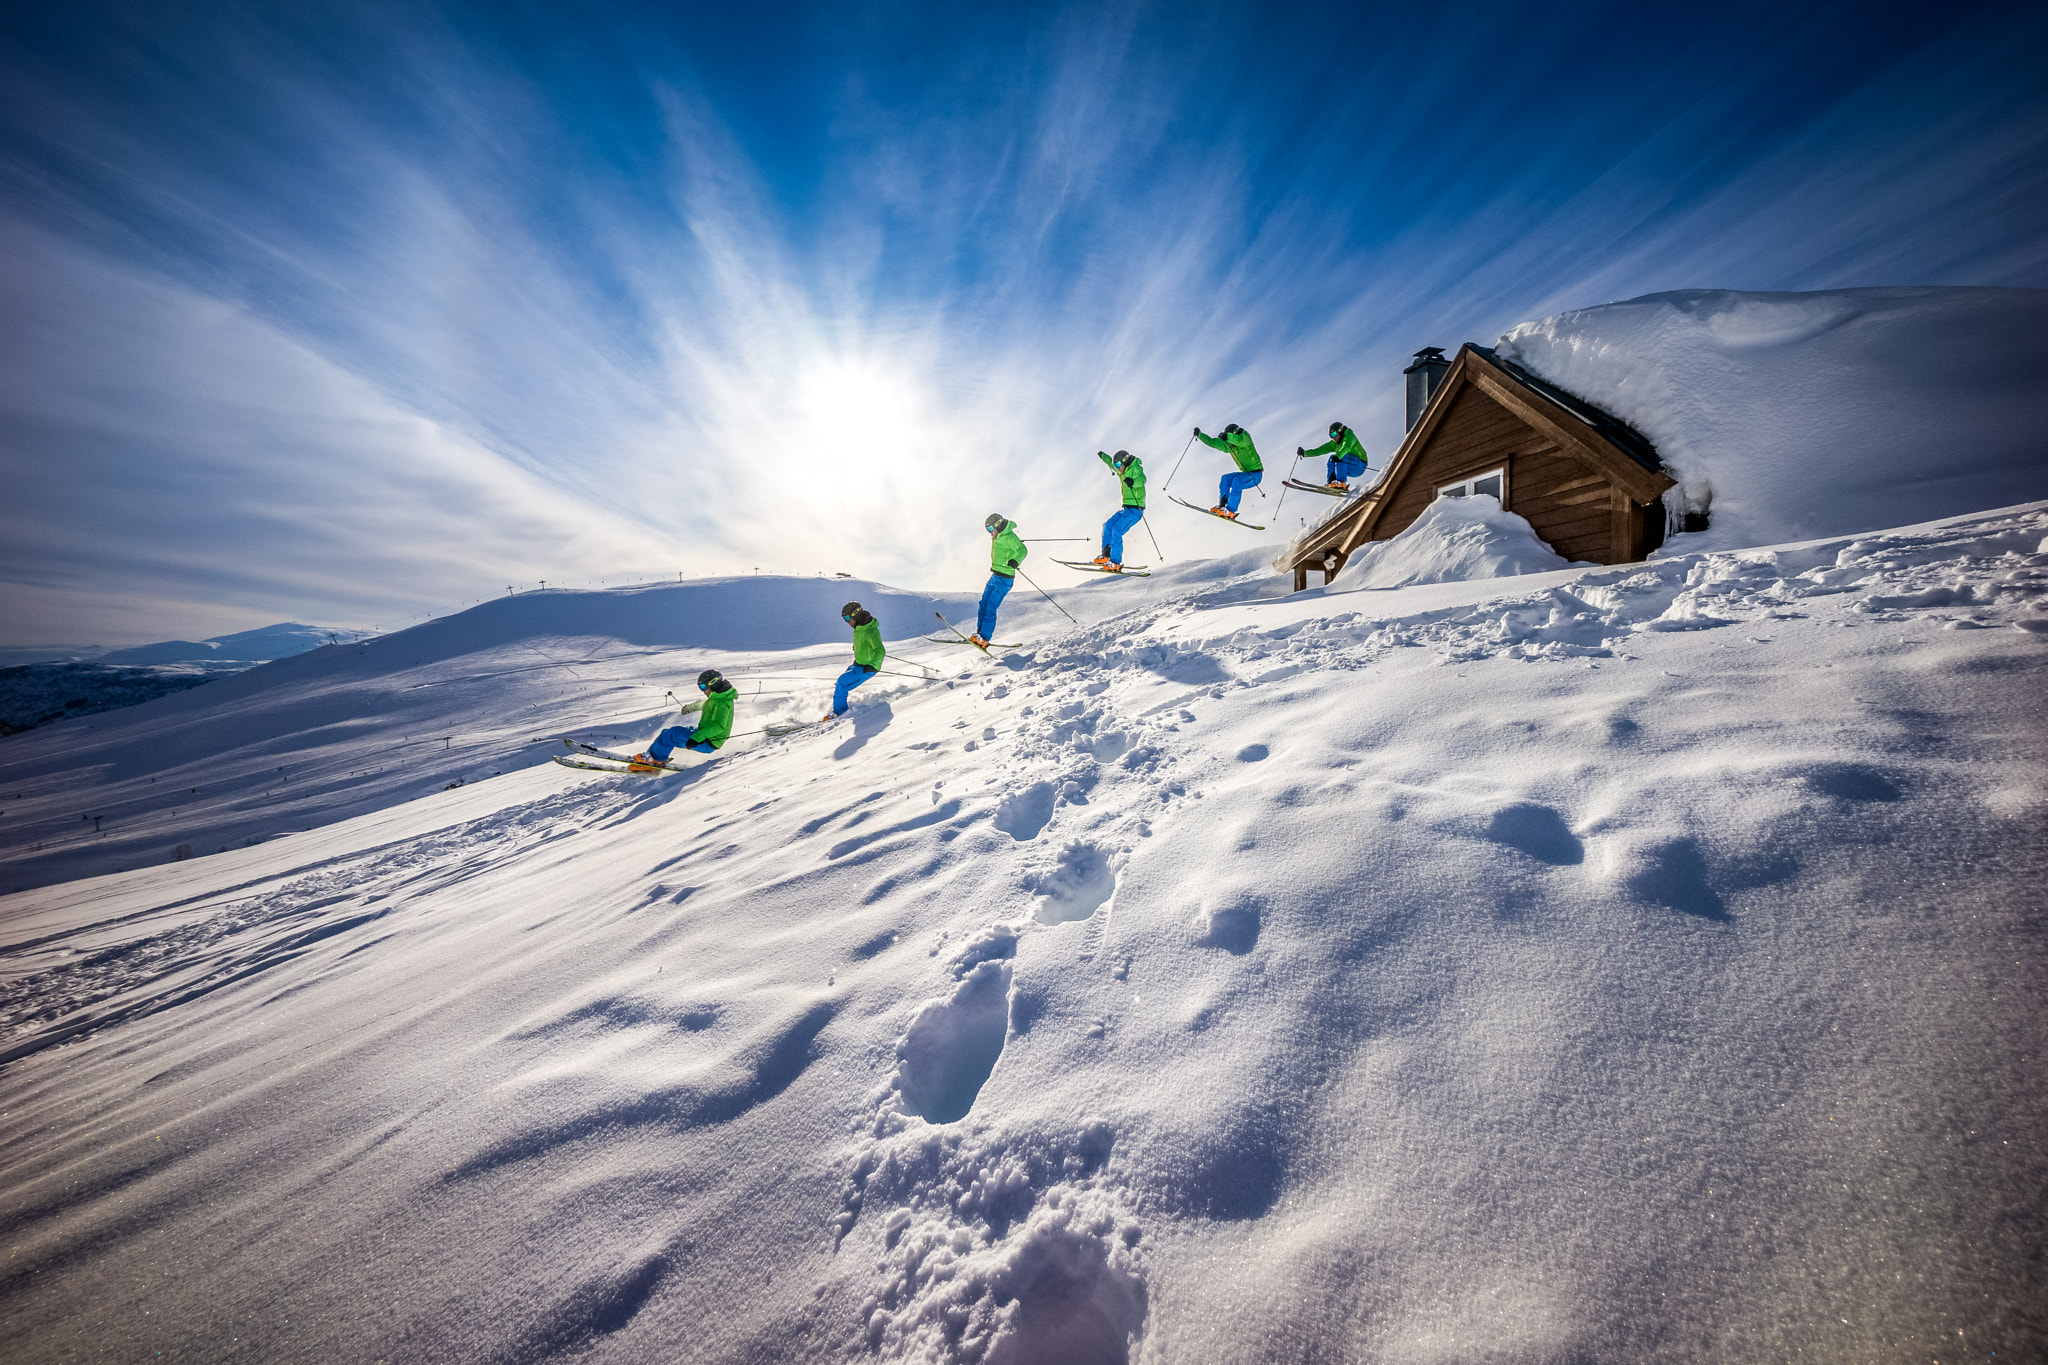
column 1787, row 416
column 1455, row 540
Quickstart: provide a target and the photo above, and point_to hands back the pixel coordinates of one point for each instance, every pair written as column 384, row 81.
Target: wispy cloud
column 379, row 315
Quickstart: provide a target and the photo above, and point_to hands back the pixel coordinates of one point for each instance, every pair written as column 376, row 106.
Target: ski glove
column 1013, row 563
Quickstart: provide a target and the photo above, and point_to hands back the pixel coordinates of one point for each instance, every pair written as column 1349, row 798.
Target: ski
column 584, row 765
column 1322, row 488
column 1218, row 515
column 962, row 638
column 1127, row 571
column 592, row 751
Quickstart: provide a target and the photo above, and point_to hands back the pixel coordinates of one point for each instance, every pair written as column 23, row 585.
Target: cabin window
column 1493, row 482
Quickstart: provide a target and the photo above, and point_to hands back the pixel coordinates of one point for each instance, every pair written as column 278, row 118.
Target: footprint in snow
column 1023, row 813
column 952, row 1046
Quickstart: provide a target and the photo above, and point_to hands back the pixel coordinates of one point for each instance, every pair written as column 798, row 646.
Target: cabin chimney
column 1424, row 375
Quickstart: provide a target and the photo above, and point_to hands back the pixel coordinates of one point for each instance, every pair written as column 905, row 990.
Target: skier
column 712, row 729
column 1235, row 442
column 1006, row 552
column 1347, row 456
column 867, row 655
column 1130, row 473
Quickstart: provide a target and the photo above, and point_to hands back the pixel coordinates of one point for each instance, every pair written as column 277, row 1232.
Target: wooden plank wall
column 1569, row 504
column 1475, row 434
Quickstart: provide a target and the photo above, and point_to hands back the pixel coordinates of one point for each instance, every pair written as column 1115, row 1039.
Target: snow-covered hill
column 1603, row 964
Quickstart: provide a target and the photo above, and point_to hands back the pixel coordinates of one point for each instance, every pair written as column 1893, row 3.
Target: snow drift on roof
column 1454, row 540
column 1801, row 415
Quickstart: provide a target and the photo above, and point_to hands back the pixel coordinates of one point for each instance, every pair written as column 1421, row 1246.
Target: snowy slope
column 1605, row 964
column 346, row 729
column 1825, row 413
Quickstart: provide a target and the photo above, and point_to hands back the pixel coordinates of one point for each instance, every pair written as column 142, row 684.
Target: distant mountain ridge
column 39, row 686
column 261, row 645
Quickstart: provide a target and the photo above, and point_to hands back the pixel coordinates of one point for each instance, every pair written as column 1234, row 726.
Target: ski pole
column 1047, row 596
column 1177, row 463
column 1155, row 541
column 1050, row 540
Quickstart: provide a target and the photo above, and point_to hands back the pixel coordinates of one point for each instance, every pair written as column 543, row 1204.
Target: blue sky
column 343, row 313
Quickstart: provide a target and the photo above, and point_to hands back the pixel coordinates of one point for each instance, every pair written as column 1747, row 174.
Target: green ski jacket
column 867, row 642
column 1238, row 446
column 1006, row 552
column 1131, row 476
column 1340, row 446
column 714, row 726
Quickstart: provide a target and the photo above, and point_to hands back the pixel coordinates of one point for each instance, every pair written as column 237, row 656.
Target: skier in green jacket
column 1130, row 473
column 1235, row 442
column 713, row 727
column 867, row 655
column 1005, row 552
column 1347, row 456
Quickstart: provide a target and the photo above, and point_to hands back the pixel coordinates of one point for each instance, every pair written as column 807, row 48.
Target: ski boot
column 641, row 763
column 1339, row 486
column 977, row 642
column 1102, row 559
column 1112, row 568
column 1220, row 510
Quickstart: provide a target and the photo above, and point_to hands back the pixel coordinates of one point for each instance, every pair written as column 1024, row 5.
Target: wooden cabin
column 1587, row 482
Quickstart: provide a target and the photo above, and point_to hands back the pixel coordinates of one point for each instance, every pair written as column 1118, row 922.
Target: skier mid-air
column 1006, row 552
column 1235, row 442
column 867, row 655
column 1347, row 456
column 1130, row 474
column 712, row 729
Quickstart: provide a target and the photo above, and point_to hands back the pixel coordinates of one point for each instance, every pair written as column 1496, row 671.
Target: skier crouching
column 1006, row 552
column 1235, row 442
column 713, row 727
column 1130, row 474
column 1347, row 456
column 867, row 655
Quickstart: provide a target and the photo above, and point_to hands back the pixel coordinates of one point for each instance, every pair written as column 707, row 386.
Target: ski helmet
column 1232, row 429
column 849, row 611
column 708, row 677
column 1336, row 429
column 1122, row 458
column 995, row 523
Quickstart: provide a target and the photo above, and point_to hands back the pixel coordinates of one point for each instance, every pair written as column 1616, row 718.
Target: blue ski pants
column 1349, row 467
column 1234, row 484
column 676, row 736
column 853, row 677
column 1113, row 532
column 992, row 596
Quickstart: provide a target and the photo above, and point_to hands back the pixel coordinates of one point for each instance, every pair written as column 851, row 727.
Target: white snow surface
column 1815, row 414
column 1634, row 963
column 1454, row 540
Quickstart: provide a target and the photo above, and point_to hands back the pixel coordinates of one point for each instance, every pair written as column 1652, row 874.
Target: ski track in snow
column 1599, row 965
